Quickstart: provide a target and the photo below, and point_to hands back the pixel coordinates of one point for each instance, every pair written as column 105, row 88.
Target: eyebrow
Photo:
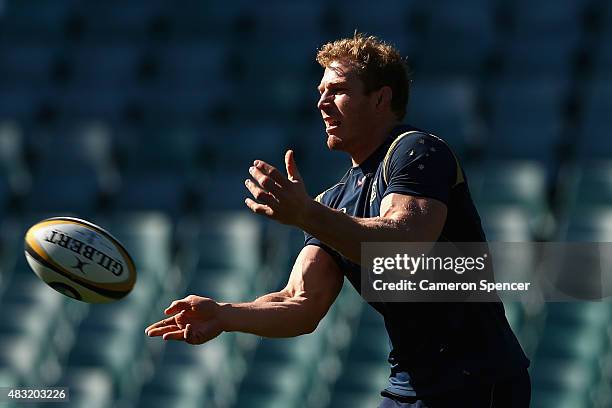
column 332, row 83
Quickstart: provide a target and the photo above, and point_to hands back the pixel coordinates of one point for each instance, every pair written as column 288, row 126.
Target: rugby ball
column 80, row 260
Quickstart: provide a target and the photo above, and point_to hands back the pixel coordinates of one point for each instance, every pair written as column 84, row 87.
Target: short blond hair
column 377, row 63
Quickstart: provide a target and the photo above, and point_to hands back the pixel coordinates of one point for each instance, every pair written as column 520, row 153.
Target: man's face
column 348, row 113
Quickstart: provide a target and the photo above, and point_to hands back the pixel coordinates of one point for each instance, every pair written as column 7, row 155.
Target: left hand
column 281, row 198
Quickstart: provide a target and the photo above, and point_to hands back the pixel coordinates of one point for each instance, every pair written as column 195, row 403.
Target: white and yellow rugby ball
column 80, row 260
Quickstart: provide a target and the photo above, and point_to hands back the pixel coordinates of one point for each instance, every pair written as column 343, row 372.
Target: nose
column 323, row 100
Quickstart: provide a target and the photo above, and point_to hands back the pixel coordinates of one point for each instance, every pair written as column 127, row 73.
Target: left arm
column 402, row 217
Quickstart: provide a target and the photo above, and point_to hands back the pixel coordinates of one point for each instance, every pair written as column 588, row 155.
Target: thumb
column 292, row 169
column 178, row 306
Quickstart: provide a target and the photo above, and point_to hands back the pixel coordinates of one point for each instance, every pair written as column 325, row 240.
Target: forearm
column 272, row 315
column 271, row 297
column 345, row 233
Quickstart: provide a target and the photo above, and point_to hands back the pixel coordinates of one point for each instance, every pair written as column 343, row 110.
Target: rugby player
column 404, row 185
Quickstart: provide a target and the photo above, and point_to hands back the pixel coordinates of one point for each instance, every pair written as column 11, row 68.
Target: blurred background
column 143, row 116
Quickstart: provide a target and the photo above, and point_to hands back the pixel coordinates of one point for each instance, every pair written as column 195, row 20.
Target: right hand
column 194, row 319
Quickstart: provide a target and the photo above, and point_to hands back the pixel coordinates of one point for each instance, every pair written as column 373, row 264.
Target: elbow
column 308, row 328
column 311, row 311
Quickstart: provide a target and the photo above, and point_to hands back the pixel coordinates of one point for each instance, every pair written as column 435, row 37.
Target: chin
column 334, row 142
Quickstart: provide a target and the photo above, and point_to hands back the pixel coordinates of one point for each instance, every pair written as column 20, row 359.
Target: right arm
column 313, row 285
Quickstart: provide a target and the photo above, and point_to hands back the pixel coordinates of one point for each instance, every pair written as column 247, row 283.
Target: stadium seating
column 144, row 117
column 447, row 109
column 594, row 141
column 365, row 372
column 470, row 25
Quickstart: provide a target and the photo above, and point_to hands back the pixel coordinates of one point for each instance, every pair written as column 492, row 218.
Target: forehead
column 339, row 72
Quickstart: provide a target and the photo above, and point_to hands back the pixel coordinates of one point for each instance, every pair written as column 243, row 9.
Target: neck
column 371, row 143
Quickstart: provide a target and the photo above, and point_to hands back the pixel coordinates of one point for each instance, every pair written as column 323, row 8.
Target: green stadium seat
column 153, row 400
column 514, row 315
column 27, row 62
column 603, row 60
column 446, row 108
column 272, row 383
column 532, row 56
column 224, row 285
column 356, row 399
column 173, row 149
column 227, row 241
column 219, row 359
column 105, row 65
column 15, row 177
column 160, row 191
column 594, row 142
column 110, row 104
column 262, row 139
column 147, row 236
column 558, row 398
column 88, row 388
column 388, row 22
column 522, row 110
column 192, row 65
column 55, row 193
column 8, row 379
column 471, row 25
column 562, row 374
column 21, row 355
column 114, row 21
column 287, row 371
column 590, row 185
column 36, row 321
column 587, row 344
column 518, row 183
column 579, row 314
column 19, row 104
column 505, row 224
column 176, row 385
column 367, row 353
column 115, row 351
column 587, row 224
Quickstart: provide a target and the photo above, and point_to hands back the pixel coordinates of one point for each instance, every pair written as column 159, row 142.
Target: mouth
column 331, row 124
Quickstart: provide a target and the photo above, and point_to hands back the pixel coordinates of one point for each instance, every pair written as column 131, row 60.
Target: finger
column 200, row 336
column 161, row 323
column 270, row 171
column 160, row 331
column 183, row 318
column 174, row 335
column 259, row 208
column 178, row 306
column 264, row 180
column 194, row 336
column 190, row 336
column 291, row 166
column 259, row 193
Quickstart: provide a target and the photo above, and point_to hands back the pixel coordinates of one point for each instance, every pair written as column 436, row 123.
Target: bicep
column 315, row 279
column 423, row 217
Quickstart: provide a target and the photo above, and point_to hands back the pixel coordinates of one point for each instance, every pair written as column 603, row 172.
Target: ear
column 383, row 100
